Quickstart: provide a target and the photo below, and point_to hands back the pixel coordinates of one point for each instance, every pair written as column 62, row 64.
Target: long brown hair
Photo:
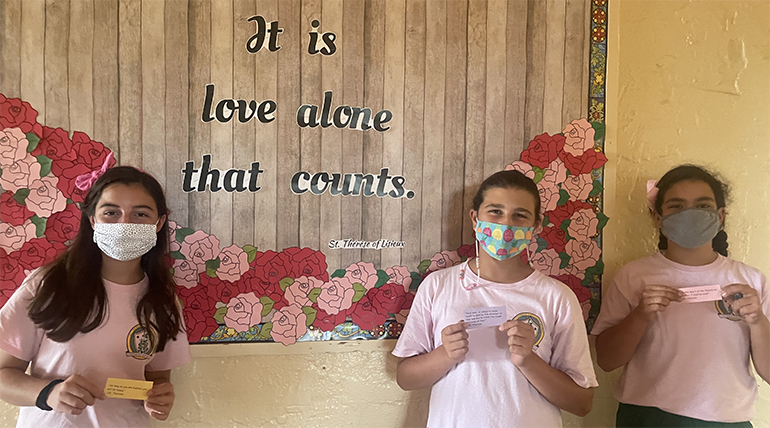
column 71, row 297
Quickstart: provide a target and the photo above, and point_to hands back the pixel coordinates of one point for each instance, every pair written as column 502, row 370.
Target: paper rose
column 296, row 293
column 584, row 163
column 336, row 295
column 363, row 273
column 579, row 137
column 44, row 198
column 546, row 261
column 12, row 212
column 522, row 167
column 549, row 195
column 185, row 273
column 289, row 324
column 556, row 172
column 578, row 186
column 199, row 247
column 243, row 311
column 64, row 225
column 443, row 260
column 19, row 174
column 543, row 150
column 14, row 237
column 13, row 146
column 233, row 262
column 583, row 224
column 15, row 113
column 399, row 275
column 583, row 254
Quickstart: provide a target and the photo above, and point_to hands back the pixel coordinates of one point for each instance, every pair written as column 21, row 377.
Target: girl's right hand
column 73, row 395
column 656, row 298
column 454, row 339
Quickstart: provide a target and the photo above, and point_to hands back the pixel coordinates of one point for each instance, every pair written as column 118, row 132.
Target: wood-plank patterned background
column 469, row 83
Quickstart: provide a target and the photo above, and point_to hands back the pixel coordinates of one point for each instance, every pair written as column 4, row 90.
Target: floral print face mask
column 501, row 241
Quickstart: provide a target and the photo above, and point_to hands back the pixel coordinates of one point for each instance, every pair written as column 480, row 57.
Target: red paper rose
column 584, row 163
column 365, row 315
column 64, row 225
column 307, row 262
column 67, row 171
column 55, row 144
column 559, row 214
column 388, row 299
column 198, row 313
column 38, row 252
column 467, row 251
column 221, row 291
column 573, row 282
column 543, row 150
column 555, row 237
column 12, row 212
column 11, row 275
column 326, row 322
column 15, row 113
column 255, row 281
column 90, row 153
column 271, row 267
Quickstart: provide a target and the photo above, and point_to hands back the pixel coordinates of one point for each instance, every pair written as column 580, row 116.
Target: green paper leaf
column 539, row 174
column 45, row 165
column 592, row 273
column 212, row 273
column 219, row 315
column 597, row 188
column 267, row 305
column 546, row 221
column 423, row 266
column 360, row 291
column 70, row 201
column 33, row 139
column 212, row 266
column 565, row 258
column 176, row 255
column 313, row 295
column 39, row 224
column 564, row 225
column 311, row 314
column 251, row 251
column 21, row 196
column 183, row 233
column 599, row 129
column 563, row 197
column 542, row 244
column 264, row 332
column 382, row 278
column 285, row 283
column 416, row 280
column 339, row 273
column 602, row 221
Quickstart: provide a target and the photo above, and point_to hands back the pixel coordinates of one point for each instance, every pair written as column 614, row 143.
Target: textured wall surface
column 689, row 82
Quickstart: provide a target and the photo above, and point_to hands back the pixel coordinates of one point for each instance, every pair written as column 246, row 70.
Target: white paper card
column 706, row 293
column 491, row 316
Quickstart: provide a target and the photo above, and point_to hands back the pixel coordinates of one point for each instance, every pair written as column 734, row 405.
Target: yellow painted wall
column 689, row 81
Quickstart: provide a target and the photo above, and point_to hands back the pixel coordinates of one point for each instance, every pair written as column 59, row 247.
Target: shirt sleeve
column 19, row 336
column 417, row 335
column 615, row 305
column 175, row 354
column 571, row 353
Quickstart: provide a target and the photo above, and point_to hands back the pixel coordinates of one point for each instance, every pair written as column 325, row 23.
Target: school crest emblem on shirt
column 724, row 312
column 536, row 323
column 138, row 343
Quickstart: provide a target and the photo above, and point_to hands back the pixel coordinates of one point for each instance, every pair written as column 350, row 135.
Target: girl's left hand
column 521, row 339
column 160, row 400
column 748, row 306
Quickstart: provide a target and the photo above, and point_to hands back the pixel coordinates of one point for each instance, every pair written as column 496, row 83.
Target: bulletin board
column 319, row 157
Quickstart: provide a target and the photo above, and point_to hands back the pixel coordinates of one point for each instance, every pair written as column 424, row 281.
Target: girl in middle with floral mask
column 519, row 372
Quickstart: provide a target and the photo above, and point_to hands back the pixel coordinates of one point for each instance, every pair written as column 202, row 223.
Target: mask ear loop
column 478, row 269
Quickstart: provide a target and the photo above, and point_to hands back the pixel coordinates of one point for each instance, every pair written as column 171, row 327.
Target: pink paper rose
column 296, row 293
column 336, row 295
column 400, row 275
column 546, row 261
column 570, row 269
column 363, row 273
column 443, row 260
column 583, row 254
column 578, row 186
column 13, row 146
column 522, row 167
column 199, row 247
column 579, row 136
column 185, row 273
column 289, row 324
column 45, row 198
column 19, row 174
column 583, row 224
column 556, row 172
column 243, row 311
column 12, row 238
column 233, row 262
column 173, row 245
column 549, row 195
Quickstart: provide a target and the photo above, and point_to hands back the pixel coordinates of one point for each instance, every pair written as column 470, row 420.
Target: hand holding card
column 491, row 316
column 127, row 388
column 706, row 293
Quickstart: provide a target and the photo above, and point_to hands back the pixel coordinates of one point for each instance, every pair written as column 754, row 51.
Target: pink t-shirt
column 118, row 348
column 486, row 389
column 690, row 361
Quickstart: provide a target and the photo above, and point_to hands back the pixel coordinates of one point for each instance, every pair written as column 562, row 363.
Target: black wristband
column 42, row 398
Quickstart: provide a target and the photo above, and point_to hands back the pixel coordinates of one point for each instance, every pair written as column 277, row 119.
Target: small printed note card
column 127, row 388
column 491, row 316
column 706, row 293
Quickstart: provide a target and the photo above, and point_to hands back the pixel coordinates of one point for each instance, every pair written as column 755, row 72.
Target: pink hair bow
column 652, row 194
column 85, row 181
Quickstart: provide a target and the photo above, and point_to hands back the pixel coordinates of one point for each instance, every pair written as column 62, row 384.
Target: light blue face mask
column 692, row 227
column 501, row 241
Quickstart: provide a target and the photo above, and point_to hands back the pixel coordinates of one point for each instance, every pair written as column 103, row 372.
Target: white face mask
column 125, row 241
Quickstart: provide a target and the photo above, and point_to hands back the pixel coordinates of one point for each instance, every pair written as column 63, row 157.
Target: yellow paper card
column 127, row 388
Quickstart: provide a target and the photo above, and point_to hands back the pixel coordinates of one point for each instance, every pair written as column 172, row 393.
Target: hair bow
column 85, row 181
column 652, row 194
